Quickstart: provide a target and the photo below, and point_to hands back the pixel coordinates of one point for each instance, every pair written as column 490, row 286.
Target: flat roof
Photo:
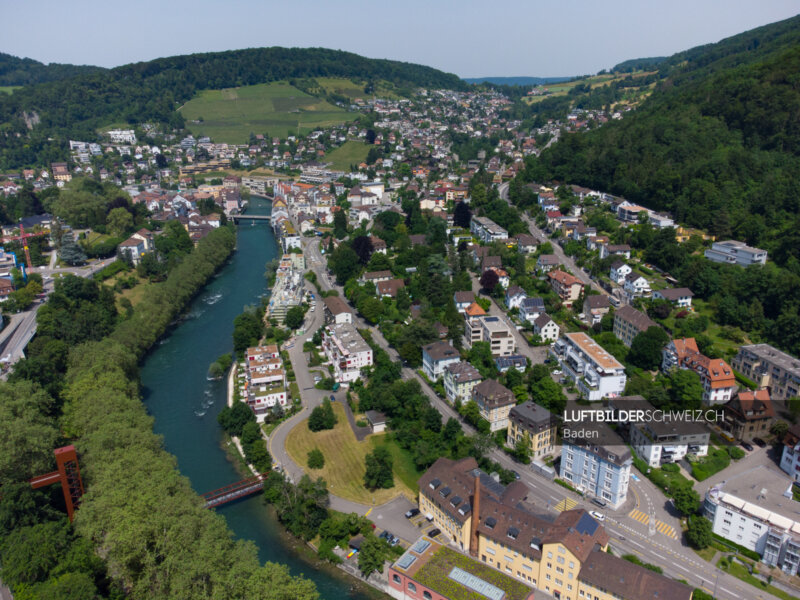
column 768, row 353
column 593, row 350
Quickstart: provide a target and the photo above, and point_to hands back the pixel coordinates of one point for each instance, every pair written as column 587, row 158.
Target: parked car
column 515, row 474
column 558, row 372
column 434, row 532
column 759, row 442
column 333, row 398
column 746, row 446
column 386, row 535
column 412, row 513
column 599, row 502
column 598, row 516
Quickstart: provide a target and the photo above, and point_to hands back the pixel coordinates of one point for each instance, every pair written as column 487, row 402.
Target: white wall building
column 347, row 351
column 487, row 230
column 595, row 372
column 736, row 253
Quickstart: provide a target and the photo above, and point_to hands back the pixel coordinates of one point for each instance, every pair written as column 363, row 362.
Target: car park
column 412, row 513
column 598, row 516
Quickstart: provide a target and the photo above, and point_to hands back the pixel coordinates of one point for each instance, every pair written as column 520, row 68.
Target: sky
column 544, row 38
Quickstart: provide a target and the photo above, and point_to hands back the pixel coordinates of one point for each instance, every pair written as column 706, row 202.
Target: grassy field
column 716, row 332
column 561, row 89
column 353, row 90
column 275, row 109
column 349, row 153
column 344, row 460
column 8, row 89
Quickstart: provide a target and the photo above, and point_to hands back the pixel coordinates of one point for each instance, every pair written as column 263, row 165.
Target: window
column 560, row 560
column 396, row 578
column 427, row 595
column 571, row 564
column 412, row 588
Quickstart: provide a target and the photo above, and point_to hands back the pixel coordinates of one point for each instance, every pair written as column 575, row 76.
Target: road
column 541, row 236
column 628, row 526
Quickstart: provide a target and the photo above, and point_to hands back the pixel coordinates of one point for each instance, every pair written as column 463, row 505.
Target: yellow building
column 564, row 557
column 535, row 422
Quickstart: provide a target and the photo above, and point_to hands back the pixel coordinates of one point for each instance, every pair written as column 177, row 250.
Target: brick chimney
column 476, row 507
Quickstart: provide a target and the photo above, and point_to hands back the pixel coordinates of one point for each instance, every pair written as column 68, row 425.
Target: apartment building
column 629, row 322
column 531, row 420
column 769, row 367
column 736, row 253
column 790, row 458
column 599, row 466
column 487, row 230
column 346, row 350
column 484, row 328
column 595, row 307
column 337, row 310
column 664, row 441
column 565, row 285
column 459, row 380
column 436, row 357
column 749, row 414
column 717, row 377
column 595, row 372
column 494, row 402
column 775, row 537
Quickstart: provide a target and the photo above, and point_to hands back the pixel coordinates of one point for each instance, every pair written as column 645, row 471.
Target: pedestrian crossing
column 566, row 504
column 661, row 527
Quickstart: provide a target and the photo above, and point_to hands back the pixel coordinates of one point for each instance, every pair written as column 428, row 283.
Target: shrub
column 316, row 460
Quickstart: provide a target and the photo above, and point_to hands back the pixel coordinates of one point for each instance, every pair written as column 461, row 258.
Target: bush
column 322, row 417
column 711, row 464
column 670, row 468
column 316, row 460
column 735, row 452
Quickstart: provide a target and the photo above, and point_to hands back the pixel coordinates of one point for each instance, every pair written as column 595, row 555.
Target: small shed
column 355, row 542
column 377, row 421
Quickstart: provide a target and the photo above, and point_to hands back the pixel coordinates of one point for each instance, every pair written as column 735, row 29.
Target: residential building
column 595, row 307
column 515, row 361
column 630, row 213
column 775, row 537
column 547, row 262
column 790, row 457
column 473, row 331
column 531, row 420
column 619, row 271
column 514, row 296
column 459, row 380
column 736, row 253
column 389, row 289
column 658, row 442
column 487, row 230
column 676, row 351
column 749, row 414
column 629, row 322
column 719, row 382
column 530, row 309
column 636, row 286
column 337, row 310
column 490, row 329
column 598, row 468
column 547, row 329
column 615, row 249
column 526, row 243
column 769, row 367
column 436, row 357
column 463, row 300
column 346, row 350
column 376, row 276
column 566, row 286
column 595, row 372
column 680, row 297
column 494, row 401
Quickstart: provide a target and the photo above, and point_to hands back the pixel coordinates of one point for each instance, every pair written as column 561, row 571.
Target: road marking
column 367, row 513
column 661, row 527
column 682, row 568
column 566, row 504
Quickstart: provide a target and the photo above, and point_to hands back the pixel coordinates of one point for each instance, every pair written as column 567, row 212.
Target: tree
column 687, row 501
column 316, row 460
column 379, row 469
column 371, row 308
column 699, row 533
column 685, row 389
column 294, row 317
column 340, row 224
column 522, row 449
column 548, row 393
column 372, row 554
column 233, row 418
column 646, row 348
column 71, row 253
column 322, row 417
column 362, row 245
column 344, row 263
column 793, row 404
column 489, row 280
column 462, row 215
column 119, row 221
column 480, row 357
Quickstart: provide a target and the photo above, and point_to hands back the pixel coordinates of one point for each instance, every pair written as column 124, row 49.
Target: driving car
column 598, row 516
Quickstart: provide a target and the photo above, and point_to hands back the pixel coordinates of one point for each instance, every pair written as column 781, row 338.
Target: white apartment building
column 619, row 270
column 459, row 380
column 436, row 357
column 600, row 470
column 347, row 351
column 768, row 366
column 596, row 373
column 487, row 230
column 736, row 253
column 498, row 334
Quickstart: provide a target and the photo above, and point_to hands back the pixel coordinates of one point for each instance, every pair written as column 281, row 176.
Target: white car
column 598, row 516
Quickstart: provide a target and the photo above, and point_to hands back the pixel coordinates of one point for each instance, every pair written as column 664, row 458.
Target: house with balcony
column 547, row 329
column 460, row 378
column 595, row 307
column 494, row 402
column 595, row 372
column 749, row 414
column 346, row 350
column 636, row 286
column 733, row 252
column 629, row 322
column 680, row 297
column 487, row 230
column 619, row 271
column 547, row 262
column 436, row 357
column 530, row 309
column 769, row 367
column 568, row 287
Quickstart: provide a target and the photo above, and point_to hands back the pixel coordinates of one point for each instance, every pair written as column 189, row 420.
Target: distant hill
column 638, row 64
column 717, row 143
column 25, row 71
column 152, row 91
column 521, row 81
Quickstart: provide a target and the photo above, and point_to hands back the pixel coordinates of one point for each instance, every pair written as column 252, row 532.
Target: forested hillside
column 717, row 143
column 151, row 91
column 25, row 71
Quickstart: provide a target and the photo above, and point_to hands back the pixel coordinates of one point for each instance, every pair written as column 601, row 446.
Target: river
column 185, row 404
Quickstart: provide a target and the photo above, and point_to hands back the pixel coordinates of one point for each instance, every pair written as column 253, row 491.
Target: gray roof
column 548, row 259
column 638, row 319
column 617, row 264
column 532, row 417
column 673, row 294
column 463, row 371
column 597, row 301
column 440, row 351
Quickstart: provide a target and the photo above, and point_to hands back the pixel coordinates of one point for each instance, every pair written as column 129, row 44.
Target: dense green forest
column 152, row 91
column 717, row 144
column 638, row 64
column 26, row 71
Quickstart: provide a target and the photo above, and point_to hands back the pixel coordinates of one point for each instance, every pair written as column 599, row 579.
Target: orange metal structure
column 68, row 474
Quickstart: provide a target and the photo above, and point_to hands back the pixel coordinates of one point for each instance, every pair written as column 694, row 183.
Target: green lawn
column 8, row 89
column 740, row 572
column 352, row 89
column 349, row 153
column 274, row 109
column 715, row 331
column 404, row 468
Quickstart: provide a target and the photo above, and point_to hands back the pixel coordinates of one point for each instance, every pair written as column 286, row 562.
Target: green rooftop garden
column 434, row 574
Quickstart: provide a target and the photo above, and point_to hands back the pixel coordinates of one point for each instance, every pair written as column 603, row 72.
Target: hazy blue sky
column 466, row 37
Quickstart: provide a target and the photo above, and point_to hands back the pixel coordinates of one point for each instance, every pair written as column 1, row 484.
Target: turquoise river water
column 185, row 404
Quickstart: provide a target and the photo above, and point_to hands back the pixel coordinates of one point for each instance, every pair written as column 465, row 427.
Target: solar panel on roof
column 420, row 546
column 476, row 584
column 406, row 560
column 587, row 525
